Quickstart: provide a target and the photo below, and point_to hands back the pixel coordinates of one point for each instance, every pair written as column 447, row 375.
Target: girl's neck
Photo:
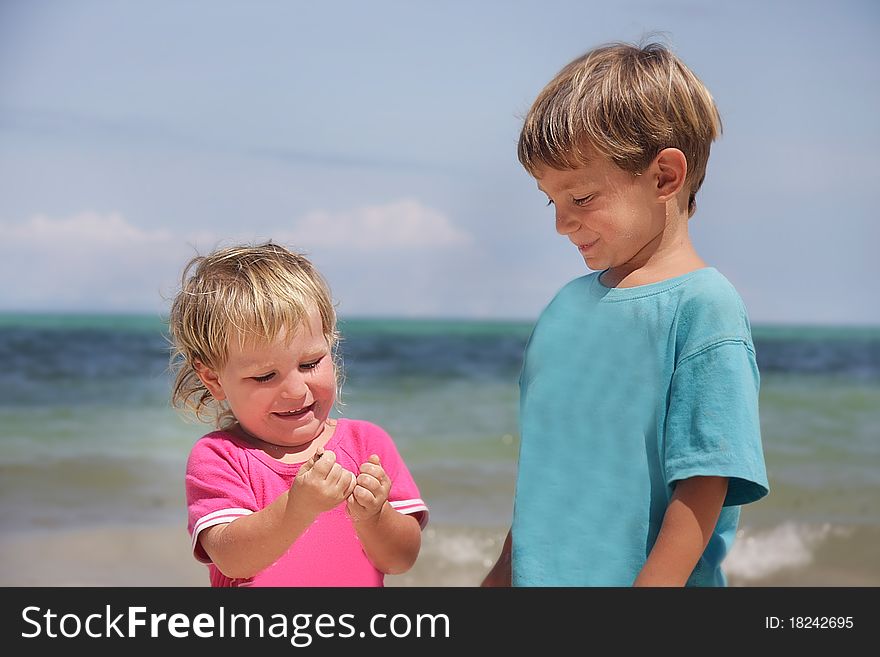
column 289, row 453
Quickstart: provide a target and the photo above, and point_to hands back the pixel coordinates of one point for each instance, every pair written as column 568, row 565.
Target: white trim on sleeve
column 221, row 517
column 408, row 507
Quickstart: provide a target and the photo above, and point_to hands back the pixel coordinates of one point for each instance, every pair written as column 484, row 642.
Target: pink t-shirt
column 227, row 478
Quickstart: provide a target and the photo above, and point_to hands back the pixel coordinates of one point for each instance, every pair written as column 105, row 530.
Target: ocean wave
column 757, row 554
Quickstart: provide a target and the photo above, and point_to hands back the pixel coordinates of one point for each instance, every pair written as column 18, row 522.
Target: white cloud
column 85, row 261
column 403, row 224
column 105, row 261
column 84, row 230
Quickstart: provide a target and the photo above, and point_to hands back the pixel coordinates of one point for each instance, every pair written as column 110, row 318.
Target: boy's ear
column 670, row 172
column 211, row 380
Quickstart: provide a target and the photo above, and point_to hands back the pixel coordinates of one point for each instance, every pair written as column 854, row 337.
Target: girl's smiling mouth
column 295, row 414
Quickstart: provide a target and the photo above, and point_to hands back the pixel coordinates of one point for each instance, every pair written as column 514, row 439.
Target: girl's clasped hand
column 322, row 483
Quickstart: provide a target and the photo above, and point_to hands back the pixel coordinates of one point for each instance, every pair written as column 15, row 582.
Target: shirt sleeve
column 713, row 427
column 217, row 488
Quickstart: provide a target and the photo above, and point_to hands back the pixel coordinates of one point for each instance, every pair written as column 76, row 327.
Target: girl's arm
column 391, row 539
column 249, row 544
column 687, row 526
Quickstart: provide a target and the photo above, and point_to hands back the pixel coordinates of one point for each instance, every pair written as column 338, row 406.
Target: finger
column 358, row 498
column 369, row 482
column 308, row 464
column 363, row 496
column 324, row 464
column 352, row 482
column 373, row 469
column 334, row 476
column 354, row 507
column 377, row 489
column 375, row 482
column 340, row 478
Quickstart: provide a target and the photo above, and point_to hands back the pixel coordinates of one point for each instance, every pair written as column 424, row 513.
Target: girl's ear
column 211, row 380
column 670, row 169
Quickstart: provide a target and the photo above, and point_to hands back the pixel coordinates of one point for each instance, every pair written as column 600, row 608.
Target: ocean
column 89, row 442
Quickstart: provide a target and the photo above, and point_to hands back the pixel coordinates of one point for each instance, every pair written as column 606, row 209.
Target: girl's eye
column 310, row 366
column 264, row 378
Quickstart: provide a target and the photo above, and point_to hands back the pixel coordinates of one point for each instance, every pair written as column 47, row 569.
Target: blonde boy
column 639, row 387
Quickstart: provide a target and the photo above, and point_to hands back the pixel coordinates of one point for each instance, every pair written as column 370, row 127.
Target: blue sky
column 379, row 137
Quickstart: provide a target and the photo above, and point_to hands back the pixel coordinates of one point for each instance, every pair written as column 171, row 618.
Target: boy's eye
column 583, row 201
column 549, row 201
column 263, row 378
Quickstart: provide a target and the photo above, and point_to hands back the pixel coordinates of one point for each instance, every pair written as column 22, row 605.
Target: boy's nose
column 565, row 224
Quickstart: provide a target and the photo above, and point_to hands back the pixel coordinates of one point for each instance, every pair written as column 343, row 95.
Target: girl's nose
column 294, row 386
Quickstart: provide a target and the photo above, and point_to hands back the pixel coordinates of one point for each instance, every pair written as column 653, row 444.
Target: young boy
column 640, row 436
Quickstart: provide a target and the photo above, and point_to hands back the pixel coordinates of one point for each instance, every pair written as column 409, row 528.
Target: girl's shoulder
column 218, row 444
column 358, row 426
column 362, row 438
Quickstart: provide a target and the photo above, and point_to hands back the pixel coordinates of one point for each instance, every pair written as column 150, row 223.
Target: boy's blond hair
column 243, row 293
column 626, row 103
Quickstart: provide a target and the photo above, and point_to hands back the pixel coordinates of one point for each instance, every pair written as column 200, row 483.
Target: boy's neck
column 653, row 272
column 671, row 254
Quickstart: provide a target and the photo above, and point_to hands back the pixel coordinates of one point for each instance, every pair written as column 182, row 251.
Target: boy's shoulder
column 702, row 304
column 710, row 311
column 701, row 286
column 580, row 283
column 709, row 281
column 708, row 293
column 576, row 288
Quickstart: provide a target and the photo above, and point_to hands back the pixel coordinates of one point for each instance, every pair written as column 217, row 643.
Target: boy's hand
column 501, row 573
column 370, row 492
column 321, row 483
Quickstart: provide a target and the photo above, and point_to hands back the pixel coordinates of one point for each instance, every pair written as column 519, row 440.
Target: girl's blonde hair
column 626, row 103
column 243, row 293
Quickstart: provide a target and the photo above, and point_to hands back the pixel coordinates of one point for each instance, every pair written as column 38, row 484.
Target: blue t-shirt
column 624, row 392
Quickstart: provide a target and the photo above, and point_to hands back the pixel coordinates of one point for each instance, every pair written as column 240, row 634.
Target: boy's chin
column 594, row 265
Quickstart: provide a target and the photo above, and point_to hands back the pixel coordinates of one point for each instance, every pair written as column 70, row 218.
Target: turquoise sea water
column 88, row 439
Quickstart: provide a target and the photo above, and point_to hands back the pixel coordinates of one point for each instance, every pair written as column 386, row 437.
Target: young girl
column 281, row 494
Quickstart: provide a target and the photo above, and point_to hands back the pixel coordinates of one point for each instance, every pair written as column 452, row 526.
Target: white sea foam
column 757, row 554
column 464, row 549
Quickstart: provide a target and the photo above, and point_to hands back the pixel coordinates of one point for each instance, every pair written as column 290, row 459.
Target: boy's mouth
column 588, row 245
column 297, row 413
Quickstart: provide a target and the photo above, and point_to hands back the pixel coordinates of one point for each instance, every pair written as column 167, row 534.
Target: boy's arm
column 501, row 574
column 687, row 526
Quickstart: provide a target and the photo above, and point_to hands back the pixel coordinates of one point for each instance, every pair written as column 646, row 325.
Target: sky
column 379, row 138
